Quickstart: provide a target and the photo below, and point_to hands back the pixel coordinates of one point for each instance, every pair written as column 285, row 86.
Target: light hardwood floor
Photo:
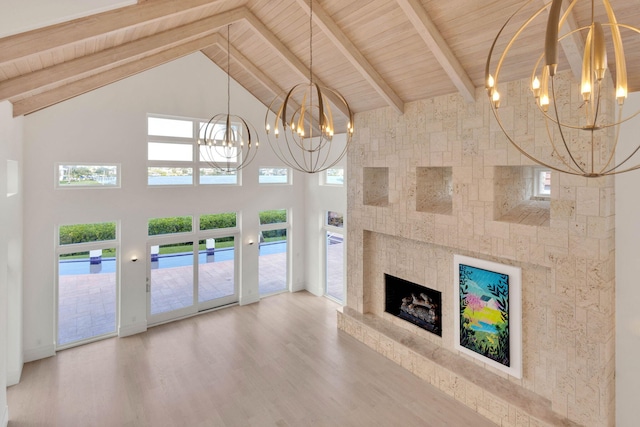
column 281, row 362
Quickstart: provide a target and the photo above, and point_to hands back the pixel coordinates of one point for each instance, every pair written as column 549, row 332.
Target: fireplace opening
column 414, row 303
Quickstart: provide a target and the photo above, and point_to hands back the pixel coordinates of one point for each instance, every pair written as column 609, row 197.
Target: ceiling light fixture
column 228, row 142
column 582, row 141
column 308, row 144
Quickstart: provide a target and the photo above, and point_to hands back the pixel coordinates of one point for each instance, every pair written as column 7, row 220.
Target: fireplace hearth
column 414, row 303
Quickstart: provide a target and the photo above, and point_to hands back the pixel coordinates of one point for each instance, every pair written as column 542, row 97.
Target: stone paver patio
column 87, row 302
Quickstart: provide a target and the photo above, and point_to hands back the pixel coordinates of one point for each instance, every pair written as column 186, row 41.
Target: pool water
column 108, row 265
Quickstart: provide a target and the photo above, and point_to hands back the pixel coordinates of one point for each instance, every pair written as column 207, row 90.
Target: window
column 170, row 127
column 273, row 216
column 170, row 152
column 335, row 219
column 334, row 256
column 174, row 157
column 84, row 176
column 272, row 262
column 191, row 270
column 86, row 233
column 171, row 225
column 215, row 176
column 333, row 176
column 274, row 176
column 86, row 282
column 218, row 221
column 542, row 182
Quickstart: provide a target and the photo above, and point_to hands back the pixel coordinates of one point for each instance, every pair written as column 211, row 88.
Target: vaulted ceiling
column 376, row 53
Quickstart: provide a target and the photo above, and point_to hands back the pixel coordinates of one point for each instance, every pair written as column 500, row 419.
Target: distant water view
column 335, row 180
column 211, row 179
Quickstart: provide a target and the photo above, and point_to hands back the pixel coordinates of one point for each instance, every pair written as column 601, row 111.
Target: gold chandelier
column 228, row 142
column 305, row 120
column 581, row 124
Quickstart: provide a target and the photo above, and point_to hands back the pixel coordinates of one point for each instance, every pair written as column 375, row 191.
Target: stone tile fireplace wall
column 567, row 262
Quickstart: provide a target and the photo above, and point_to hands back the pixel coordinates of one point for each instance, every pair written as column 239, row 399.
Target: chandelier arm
column 615, row 144
column 624, row 161
column 511, row 41
column 564, row 141
column 560, row 157
column 525, row 153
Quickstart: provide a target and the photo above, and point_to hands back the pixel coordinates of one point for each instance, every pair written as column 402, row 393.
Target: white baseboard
column 31, row 354
column 249, row 300
column 128, row 330
column 4, row 421
column 13, row 377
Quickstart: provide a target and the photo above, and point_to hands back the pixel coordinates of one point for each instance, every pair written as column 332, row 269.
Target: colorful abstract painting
column 484, row 313
column 488, row 307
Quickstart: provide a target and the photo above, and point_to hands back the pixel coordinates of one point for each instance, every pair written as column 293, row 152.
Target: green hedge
column 215, row 221
column 273, row 217
column 83, row 233
column 176, row 224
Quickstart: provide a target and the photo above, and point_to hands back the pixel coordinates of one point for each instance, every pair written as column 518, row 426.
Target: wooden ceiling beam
column 285, row 54
column 353, row 55
column 47, row 39
column 573, row 45
column 82, row 67
column 247, row 65
column 79, row 87
column 439, row 47
column 253, row 70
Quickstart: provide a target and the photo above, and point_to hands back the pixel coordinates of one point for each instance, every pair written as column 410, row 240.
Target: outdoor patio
column 87, row 302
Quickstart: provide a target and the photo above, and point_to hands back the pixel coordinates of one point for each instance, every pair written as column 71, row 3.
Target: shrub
column 83, row 233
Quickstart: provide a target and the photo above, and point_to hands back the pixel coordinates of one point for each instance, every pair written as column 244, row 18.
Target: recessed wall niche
column 375, row 186
column 515, row 198
column 434, row 190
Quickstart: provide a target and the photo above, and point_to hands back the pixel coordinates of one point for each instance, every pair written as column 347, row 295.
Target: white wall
column 109, row 125
column 10, row 254
column 628, row 280
column 322, row 198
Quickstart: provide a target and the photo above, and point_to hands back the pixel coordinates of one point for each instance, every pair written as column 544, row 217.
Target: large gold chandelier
column 581, row 124
column 302, row 133
column 227, row 142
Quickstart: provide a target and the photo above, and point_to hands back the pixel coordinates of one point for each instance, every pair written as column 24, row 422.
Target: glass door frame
column 86, row 247
column 326, row 229
column 196, row 306
column 271, row 227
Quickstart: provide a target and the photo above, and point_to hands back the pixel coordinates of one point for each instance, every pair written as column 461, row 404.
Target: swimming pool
column 108, row 265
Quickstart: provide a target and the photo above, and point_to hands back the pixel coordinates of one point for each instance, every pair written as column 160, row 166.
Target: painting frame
column 488, row 300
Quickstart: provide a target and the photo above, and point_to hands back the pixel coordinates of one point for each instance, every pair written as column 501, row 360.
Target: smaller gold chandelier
column 582, row 136
column 228, row 142
column 305, row 120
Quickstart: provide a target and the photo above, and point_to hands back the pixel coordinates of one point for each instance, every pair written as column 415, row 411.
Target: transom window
column 87, row 175
column 274, row 175
column 542, row 182
column 175, row 158
column 332, row 176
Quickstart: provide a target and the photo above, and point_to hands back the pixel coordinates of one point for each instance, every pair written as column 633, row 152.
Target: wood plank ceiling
column 376, row 53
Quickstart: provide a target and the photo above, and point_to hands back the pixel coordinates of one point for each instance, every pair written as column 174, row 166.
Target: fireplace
column 414, row 303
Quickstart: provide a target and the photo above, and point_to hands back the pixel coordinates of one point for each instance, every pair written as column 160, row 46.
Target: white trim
column 133, row 329
column 42, row 352
column 4, row 422
column 13, row 377
column 515, row 312
column 246, row 300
